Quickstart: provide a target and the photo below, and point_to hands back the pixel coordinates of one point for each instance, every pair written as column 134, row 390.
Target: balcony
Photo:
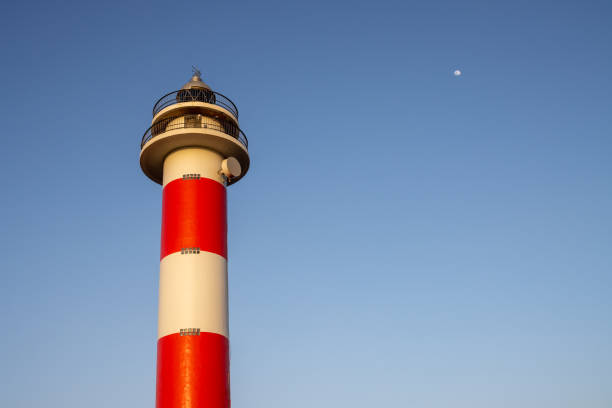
column 191, row 121
column 195, row 95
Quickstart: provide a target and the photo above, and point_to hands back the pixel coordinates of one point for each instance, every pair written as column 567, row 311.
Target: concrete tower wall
column 193, row 359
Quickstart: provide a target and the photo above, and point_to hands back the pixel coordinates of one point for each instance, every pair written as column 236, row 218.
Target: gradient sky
column 404, row 238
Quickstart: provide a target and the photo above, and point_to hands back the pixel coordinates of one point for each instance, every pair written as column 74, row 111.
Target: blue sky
column 404, row 237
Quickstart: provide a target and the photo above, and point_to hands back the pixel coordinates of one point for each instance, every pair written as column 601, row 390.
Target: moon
column 457, row 72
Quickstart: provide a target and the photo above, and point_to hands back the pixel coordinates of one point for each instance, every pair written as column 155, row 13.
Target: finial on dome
column 196, row 72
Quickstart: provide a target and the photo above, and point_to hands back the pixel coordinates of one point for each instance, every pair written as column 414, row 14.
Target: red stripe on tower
column 193, row 371
column 194, row 216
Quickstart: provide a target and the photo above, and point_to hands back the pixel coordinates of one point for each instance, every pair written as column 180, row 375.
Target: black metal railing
column 195, row 95
column 194, row 121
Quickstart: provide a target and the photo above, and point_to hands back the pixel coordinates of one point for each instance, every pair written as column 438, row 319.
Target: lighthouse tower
column 195, row 150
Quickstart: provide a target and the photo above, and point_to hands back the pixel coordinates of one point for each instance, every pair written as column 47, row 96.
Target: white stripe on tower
column 193, row 293
column 204, row 162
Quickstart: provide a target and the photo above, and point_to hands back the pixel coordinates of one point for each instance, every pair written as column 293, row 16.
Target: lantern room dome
column 196, row 83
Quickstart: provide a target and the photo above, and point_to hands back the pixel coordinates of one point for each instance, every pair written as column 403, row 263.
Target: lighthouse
column 194, row 149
